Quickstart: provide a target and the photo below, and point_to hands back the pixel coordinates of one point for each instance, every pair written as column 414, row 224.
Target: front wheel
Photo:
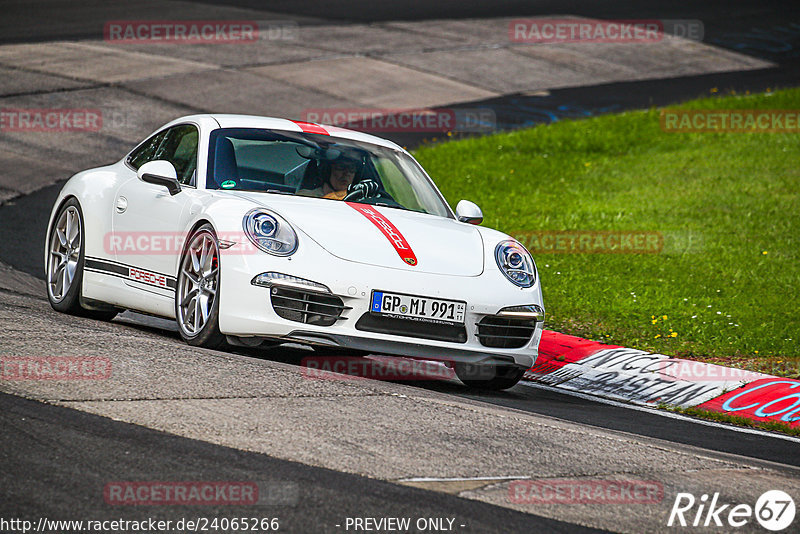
column 490, row 377
column 197, row 292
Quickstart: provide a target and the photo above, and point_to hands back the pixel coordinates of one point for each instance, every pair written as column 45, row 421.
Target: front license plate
column 418, row 308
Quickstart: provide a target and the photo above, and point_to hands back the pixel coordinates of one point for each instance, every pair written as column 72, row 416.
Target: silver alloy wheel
column 198, row 280
column 65, row 251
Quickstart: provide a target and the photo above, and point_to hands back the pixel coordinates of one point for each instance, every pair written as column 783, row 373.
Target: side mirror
column 160, row 172
column 469, row 212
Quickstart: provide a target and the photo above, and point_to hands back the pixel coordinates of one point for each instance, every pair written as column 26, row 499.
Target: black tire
column 69, row 301
column 489, row 377
column 208, row 334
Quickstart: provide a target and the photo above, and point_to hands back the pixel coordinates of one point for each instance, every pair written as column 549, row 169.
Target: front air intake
column 307, row 307
column 505, row 332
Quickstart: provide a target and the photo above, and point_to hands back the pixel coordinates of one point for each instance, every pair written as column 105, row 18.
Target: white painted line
column 424, row 479
column 662, row 413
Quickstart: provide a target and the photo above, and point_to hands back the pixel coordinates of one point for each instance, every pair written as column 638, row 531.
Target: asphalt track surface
column 768, row 30
column 68, row 456
column 54, row 463
column 20, row 233
column 46, row 20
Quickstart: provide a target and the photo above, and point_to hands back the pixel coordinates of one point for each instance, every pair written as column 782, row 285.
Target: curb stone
column 650, row 379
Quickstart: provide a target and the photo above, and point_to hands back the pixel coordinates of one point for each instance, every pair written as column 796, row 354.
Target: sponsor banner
column 767, row 399
column 181, row 31
column 645, row 378
column 50, row 120
column 571, row 491
column 640, row 31
column 638, row 388
column 591, row 242
column 635, row 375
column 54, row 368
column 730, row 120
column 557, row 350
column 384, row 120
column 376, row 368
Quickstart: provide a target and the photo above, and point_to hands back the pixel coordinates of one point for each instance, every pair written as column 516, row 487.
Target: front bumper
column 246, row 310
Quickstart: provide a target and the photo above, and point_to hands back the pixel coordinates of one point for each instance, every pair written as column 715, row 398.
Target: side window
column 179, row 147
column 145, row 152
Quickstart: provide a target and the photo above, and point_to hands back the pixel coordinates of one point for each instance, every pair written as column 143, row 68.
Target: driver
column 340, row 183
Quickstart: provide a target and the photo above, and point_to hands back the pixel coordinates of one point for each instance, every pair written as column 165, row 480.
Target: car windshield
column 322, row 166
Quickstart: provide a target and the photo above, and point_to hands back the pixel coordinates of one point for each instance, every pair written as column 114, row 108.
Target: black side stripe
column 98, row 265
column 122, row 270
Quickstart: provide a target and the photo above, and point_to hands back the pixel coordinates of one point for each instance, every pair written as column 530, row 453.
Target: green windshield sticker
column 228, row 184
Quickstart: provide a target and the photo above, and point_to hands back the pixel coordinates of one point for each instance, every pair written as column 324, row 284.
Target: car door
column 148, row 221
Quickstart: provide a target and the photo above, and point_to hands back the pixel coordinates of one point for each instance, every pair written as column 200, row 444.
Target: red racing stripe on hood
column 389, row 230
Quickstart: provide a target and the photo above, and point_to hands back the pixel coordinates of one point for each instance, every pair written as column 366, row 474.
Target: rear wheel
column 197, row 292
column 65, row 260
column 490, row 377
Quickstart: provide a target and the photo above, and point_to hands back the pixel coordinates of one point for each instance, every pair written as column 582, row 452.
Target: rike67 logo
column 774, row 510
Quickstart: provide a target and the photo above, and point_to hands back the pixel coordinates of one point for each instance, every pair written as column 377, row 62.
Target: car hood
column 385, row 237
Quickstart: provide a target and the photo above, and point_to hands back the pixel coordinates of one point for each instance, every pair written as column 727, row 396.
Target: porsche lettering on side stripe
column 147, row 277
column 389, row 230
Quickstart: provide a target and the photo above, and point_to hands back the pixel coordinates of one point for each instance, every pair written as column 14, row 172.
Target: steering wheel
column 354, row 195
column 363, row 189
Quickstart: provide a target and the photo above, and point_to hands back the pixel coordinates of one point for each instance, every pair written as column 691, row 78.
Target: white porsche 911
column 248, row 230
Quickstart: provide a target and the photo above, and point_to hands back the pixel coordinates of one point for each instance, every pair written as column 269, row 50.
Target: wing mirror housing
column 160, row 172
column 469, row 212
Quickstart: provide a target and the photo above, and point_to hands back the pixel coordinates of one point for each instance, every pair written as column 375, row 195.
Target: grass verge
column 724, row 284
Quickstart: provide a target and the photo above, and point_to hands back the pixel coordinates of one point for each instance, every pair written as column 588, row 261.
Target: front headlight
column 516, row 263
column 270, row 232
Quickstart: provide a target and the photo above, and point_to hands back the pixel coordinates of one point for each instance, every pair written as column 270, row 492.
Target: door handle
column 122, row 205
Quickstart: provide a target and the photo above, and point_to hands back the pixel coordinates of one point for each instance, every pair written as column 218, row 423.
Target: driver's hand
column 363, row 189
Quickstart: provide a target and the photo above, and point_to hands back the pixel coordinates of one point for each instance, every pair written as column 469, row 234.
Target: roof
column 274, row 123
